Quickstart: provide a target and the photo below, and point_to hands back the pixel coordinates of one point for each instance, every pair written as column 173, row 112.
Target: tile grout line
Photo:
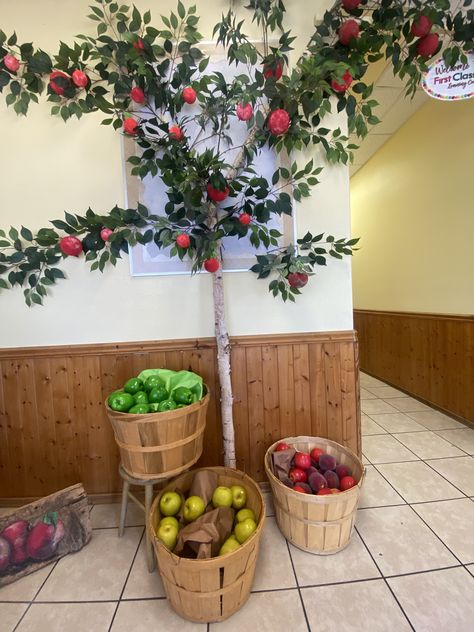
column 384, row 579
column 126, row 580
column 297, row 585
column 35, row 595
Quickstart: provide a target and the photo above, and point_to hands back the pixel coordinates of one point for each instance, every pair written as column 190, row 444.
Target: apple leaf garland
column 145, row 78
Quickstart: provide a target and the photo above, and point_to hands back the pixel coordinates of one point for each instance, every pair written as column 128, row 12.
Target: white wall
column 49, row 167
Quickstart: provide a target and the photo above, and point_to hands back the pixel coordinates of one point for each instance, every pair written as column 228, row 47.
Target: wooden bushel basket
column 214, row 589
column 160, row 444
column 316, row 524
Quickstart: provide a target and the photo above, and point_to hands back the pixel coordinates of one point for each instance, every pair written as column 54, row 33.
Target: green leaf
column 26, row 234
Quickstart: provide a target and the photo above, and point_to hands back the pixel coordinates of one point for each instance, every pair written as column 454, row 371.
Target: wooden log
column 40, row 533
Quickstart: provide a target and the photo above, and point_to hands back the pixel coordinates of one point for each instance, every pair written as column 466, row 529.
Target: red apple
column 325, row 491
column 342, row 470
column 282, row 446
column 16, row 535
column 428, row 45
column 244, row 112
column 176, row 133
column 130, row 126
column 71, row 246
column 245, row 219
column 43, row 539
column 215, row 195
column 297, row 475
column 55, row 87
column 183, row 240
column 105, row 234
column 346, row 82
column 421, row 26
column 297, row 279
column 315, row 454
column 303, row 490
column 138, row 44
column 272, row 70
column 348, row 31
column 279, row 122
column 80, row 79
column 137, row 95
column 350, row 5
column 302, row 460
column 11, row 63
column 346, row 483
column 189, row 95
column 211, row 265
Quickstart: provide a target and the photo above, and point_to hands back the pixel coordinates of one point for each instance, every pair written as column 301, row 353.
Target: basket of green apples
column 206, row 540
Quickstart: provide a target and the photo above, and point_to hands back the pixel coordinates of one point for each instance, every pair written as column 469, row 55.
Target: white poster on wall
column 238, row 254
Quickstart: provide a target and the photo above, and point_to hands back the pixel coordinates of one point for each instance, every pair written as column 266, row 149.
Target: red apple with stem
column 245, row 219
column 346, row 82
column 11, row 63
column 105, row 234
column 315, row 454
column 428, row 45
column 189, row 95
column 137, row 95
column 297, row 476
column 71, row 246
column 348, row 31
column 346, row 483
column 297, row 279
column 183, row 240
column 421, row 26
column 280, row 447
column 244, row 112
column 216, row 195
column 211, row 265
column 176, row 133
column 279, row 122
column 130, row 126
column 302, row 460
column 80, row 79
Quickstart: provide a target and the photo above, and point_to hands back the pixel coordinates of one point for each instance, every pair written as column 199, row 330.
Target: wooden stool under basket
column 148, row 484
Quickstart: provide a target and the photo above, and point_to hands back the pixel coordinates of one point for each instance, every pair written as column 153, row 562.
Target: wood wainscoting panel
column 430, row 356
column 54, row 431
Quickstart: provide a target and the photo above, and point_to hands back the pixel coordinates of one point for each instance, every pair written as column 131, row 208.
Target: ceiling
column 394, row 107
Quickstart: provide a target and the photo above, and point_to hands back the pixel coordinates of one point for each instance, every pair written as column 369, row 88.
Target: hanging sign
column 450, row 84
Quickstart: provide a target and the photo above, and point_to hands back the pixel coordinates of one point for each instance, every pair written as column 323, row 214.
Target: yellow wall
column 49, row 167
column 413, row 206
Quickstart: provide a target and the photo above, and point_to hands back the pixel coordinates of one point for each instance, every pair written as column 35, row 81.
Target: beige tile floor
column 409, row 566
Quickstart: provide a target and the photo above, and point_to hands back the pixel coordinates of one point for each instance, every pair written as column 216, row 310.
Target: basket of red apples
column 316, row 486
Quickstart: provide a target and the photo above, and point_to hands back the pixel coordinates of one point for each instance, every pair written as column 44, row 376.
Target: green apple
column 239, row 496
column 168, row 534
column 243, row 514
column 169, row 520
column 231, row 544
column 222, row 497
column 193, row 508
column 170, row 503
column 244, row 529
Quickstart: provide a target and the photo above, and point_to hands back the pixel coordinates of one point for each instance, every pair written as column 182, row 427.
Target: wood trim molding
column 186, row 344
column 429, row 315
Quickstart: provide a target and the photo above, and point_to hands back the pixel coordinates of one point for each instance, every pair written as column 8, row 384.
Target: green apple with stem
column 170, row 503
column 239, row 496
column 168, row 534
column 193, row 508
column 243, row 514
column 243, row 530
column 230, row 545
column 222, row 497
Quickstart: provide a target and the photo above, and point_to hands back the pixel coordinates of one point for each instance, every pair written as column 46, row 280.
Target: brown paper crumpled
column 203, row 485
column 281, row 465
column 203, row 538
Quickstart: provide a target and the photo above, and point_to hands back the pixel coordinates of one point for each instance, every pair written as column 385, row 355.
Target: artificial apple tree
column 152, row 85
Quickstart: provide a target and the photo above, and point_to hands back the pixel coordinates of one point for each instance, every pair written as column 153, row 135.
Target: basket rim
column 152, row 417
column 211, row 561
column 312, row 498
